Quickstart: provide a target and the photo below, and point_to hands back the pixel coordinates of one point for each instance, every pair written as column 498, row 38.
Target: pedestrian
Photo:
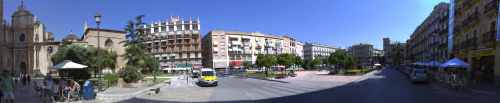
column 1, row 92
column 23, row 79
column 28, row 78
column 8, row 88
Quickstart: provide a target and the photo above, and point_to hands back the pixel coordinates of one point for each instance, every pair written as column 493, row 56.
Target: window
column 108, row 43
column 186, row 27
column 170, row 28
column 22, row 37
column 195, row 26
column 179, row 27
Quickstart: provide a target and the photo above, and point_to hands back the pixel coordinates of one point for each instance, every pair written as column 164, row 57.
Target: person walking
column 8, row 88
column 23, row 79
column 1, row 92
column 28, row 78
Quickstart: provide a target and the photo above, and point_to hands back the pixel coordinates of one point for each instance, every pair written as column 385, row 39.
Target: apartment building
column 475, row 23
column 319, row 51
column 364, row 54
column 175, row 42
column 231, row 49
column 429, row 41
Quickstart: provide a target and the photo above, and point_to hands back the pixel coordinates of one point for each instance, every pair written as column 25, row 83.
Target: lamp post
column 97, row 18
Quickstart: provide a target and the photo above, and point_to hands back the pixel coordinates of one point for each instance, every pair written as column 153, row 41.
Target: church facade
column 25, row 45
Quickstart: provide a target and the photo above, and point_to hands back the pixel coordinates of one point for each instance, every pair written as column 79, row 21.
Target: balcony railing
column 491, row 7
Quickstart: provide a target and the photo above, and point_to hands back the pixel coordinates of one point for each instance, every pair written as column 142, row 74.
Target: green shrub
column 131, row 74
column 111, row 79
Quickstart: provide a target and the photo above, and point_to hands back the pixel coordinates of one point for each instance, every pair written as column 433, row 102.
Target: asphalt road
column 385, row 86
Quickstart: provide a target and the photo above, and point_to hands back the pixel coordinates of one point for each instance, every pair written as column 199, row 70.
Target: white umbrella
column 67, row 64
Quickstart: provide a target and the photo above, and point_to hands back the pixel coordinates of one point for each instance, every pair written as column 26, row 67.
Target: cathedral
column 25, row 45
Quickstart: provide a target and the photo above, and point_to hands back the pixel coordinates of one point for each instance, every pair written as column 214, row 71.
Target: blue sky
column 339, row 23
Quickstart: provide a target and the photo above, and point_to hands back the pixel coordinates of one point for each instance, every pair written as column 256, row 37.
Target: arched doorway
column 23, row 67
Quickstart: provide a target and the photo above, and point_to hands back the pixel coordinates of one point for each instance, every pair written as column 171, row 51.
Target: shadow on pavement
column 363, row 91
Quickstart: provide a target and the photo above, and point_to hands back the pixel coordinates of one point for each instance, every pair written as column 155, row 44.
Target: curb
column 108, row 98
column 482, row 92
column 266, row 79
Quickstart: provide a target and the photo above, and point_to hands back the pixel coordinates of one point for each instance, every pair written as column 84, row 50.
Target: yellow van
column 208, row 77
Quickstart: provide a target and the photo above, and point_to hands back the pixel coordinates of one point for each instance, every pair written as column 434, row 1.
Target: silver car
column 418, row 75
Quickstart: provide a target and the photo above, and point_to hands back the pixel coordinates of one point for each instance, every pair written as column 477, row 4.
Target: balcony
column 491, row 8
column 467, row 4
column 236, row 43
column 488, row 39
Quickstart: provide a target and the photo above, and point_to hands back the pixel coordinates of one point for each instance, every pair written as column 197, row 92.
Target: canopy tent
column 418, row 63
column 67, row 64
column 455, row 63
column 70, row 69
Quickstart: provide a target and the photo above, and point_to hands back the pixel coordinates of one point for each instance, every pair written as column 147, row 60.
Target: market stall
column 454, row 72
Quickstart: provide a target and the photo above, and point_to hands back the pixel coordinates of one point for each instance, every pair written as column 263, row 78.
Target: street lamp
column 97, row 18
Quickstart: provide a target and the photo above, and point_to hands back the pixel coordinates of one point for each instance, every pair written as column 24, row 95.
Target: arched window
column 22, row 37
column 108, row 43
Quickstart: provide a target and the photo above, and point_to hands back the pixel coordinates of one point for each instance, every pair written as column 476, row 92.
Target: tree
column 286, row 59
column 299, row 61
column 341, row 60
column 247, row 64
column 315, row 62
column 87, row 56
column 307, row 64
column 138, row 60
column 266, row 61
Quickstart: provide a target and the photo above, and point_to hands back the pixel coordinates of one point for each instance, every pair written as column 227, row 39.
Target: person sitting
column 74, row 89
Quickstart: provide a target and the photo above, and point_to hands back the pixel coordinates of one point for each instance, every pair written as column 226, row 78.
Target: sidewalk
column 25, row 94
column 180, row 81
column 486, row 89
column 116, row 94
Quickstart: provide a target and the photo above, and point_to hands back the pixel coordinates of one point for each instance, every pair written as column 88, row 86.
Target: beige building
column 429, row 41
column 475, row 30
column 110, row 40
column 364, row 54
column 25, row 46
column 175, row 43
column 231, row 49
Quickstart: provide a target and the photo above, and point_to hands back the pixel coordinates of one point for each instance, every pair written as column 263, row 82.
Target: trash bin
column 88, row 90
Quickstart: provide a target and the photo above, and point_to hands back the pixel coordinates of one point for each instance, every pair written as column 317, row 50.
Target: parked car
column 195, row 74
column 418, row 75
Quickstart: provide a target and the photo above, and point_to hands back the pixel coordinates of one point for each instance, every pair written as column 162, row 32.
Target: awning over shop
column 455, row 63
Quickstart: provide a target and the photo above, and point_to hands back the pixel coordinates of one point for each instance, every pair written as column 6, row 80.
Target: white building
column 314, row 50
column 231, row 49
